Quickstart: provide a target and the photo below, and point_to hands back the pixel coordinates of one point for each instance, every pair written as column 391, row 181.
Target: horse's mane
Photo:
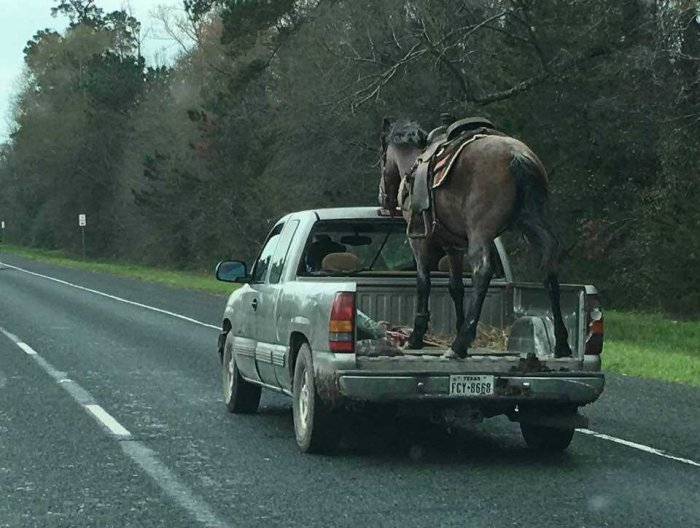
column 407, row 133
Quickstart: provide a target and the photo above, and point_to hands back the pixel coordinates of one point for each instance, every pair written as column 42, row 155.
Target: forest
column 274, row 106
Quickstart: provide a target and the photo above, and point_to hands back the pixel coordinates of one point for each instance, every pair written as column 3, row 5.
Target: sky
column 21, row 19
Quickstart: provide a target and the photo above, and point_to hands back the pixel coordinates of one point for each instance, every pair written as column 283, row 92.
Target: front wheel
column 546, row 439
column 240, row 396
column 315, row 426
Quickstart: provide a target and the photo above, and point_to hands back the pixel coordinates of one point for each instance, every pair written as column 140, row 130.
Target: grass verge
column 178, row 279
column 652, row 346
column 647, row 345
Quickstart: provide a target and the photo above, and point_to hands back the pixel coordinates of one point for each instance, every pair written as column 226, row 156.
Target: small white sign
column 82, row 220
column 3, row 224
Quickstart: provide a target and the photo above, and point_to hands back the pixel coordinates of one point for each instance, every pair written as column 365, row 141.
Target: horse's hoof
column 451, row 354
column 414, row 342
column 562, row 352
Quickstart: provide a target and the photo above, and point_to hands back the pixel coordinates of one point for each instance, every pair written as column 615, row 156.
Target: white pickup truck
column 304, row 322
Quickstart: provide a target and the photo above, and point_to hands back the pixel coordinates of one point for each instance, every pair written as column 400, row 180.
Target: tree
column 276, row 105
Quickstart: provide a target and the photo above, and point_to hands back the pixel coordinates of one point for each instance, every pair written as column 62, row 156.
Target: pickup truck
column 307, row 321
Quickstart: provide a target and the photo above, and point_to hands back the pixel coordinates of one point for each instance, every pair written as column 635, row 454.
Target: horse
column 496, row 183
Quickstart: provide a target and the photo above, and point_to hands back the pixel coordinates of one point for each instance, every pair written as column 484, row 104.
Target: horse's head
column 401, row 143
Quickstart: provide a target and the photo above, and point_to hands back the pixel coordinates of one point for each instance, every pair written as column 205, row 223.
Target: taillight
column 341, row 329
column 594, row 324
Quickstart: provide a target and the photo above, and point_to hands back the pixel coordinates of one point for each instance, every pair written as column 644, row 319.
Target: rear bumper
column 579, row 388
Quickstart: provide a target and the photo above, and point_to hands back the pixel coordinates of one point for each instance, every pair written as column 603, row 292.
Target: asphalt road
column 179, row 459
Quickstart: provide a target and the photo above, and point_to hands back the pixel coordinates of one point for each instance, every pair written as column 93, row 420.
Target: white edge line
column 107, row 420
column 115, row 298
column 640, row 447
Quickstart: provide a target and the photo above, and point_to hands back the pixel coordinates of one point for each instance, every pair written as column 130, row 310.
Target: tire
column 240, row 396
column 315, row 427
column 546, row 439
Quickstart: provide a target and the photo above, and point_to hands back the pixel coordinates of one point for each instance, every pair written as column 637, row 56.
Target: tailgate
column 395, row 301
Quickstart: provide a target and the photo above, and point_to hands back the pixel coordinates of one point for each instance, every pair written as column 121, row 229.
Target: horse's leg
column 422, row 318
column 561, row 336
column 482, row 270
column 540, row 234
column 424, row 258
column 456, row 284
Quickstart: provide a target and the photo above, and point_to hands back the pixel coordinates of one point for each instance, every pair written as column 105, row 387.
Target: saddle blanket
column 445, row 159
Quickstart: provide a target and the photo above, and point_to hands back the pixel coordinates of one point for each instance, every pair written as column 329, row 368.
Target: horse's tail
column 531, row 215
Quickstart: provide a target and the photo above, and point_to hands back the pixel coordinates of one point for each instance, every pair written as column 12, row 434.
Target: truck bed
column 394, row 300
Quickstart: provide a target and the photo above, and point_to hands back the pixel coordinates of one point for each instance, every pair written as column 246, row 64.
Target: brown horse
column 496, row 183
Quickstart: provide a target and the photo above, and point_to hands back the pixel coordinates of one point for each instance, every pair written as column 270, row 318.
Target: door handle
column 254, row 304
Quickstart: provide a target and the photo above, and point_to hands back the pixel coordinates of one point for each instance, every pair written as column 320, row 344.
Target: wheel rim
column 304, row 403
column 228, row 369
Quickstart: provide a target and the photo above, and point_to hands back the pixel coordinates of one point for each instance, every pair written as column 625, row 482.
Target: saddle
column 433, row 167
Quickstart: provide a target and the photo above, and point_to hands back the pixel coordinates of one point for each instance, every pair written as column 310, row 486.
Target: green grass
column 646, row 345
column 652, row 346
column 179, row 279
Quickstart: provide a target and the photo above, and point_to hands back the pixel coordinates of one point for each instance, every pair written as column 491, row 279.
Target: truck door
column 246, row 356
column 273, row 325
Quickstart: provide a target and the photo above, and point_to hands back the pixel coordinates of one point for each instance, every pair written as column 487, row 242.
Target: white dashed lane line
column 80, row 395
column 108, row 421
column 138, row 452
column 29, row 350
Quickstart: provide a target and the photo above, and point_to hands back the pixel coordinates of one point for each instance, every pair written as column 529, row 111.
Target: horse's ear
column 386, row 126
column 422, row 138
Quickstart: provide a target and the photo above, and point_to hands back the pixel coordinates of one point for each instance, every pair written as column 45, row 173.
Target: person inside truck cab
column 322, row 246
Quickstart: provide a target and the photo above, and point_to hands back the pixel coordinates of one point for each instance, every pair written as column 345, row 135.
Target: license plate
column 468, row 385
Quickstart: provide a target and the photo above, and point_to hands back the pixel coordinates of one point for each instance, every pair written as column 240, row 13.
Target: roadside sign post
column 82, row 222
column 2, row 234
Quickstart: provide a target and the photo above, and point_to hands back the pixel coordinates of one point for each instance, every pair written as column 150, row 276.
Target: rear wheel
column 546, row 439
column 240, row 396
column 315, row 427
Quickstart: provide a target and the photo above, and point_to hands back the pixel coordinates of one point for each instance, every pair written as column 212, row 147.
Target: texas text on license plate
column 470, row 385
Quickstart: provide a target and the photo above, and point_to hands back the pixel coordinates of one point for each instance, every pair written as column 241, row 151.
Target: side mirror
column 231, row 271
